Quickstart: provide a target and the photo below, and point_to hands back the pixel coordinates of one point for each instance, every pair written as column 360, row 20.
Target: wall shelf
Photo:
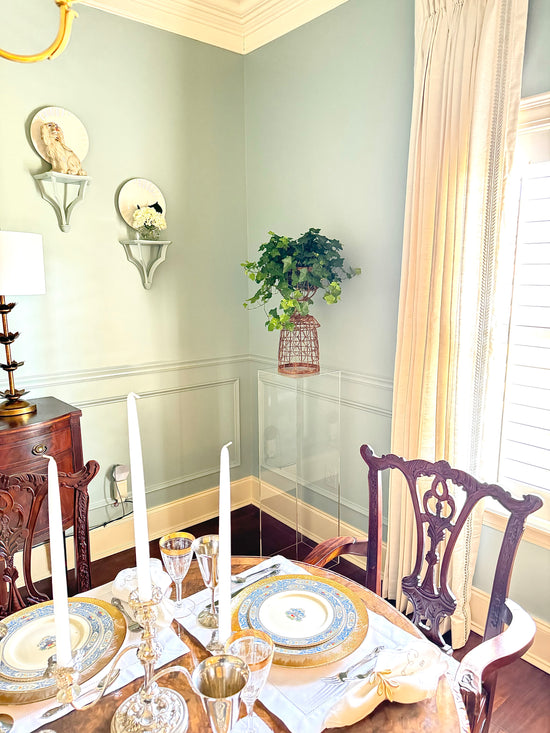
column 58, row 189
column 146, row 255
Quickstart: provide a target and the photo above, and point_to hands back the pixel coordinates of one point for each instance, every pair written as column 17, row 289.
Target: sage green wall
column 536, row 64
column 169, row 109
column 327, row 131
column 325, row 112
column 328, row 111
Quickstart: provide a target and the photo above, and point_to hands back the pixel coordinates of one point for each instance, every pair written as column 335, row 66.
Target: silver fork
column 342, row 678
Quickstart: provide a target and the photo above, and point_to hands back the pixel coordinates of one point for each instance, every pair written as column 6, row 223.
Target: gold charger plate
column 98, row 630
column 247, row 605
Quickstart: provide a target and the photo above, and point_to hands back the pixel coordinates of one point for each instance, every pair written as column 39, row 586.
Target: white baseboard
column 315, row 524
column 119, row 535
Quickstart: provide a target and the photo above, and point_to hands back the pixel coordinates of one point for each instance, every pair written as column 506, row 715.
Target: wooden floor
column 523, row 692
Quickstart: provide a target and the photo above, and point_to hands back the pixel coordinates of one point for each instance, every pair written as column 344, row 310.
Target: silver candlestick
column 152, row 709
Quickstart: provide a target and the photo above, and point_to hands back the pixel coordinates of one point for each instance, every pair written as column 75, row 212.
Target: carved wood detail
column 21, row 500
column 442, row 499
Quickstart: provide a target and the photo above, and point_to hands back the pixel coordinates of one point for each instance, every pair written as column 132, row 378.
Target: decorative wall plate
column 312, row 621
column 139, row 191
column 97, row 631
column 74, row 132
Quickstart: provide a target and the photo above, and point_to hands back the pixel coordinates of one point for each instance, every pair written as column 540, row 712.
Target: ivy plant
column 296, row 269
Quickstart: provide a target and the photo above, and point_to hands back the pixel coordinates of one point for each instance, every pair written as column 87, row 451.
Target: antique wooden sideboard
column 54, row 429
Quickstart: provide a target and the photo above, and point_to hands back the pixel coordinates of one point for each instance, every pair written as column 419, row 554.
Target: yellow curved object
column 66, row 18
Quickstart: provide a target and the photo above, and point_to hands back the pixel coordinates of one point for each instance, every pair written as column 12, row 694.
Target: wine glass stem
column 212, row 606
column 178, row 584
column 249, row 718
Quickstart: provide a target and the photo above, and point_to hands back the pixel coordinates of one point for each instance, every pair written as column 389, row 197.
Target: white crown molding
column 236, row 25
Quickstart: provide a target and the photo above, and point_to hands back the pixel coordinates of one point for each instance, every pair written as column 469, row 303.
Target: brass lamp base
column 11, row 408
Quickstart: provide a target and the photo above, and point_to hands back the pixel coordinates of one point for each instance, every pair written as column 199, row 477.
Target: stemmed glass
column 176, row 550
column 206, row 549
column 256, row 649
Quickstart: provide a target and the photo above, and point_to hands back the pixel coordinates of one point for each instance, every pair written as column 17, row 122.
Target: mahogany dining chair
column 439, row 516
column 24, row 524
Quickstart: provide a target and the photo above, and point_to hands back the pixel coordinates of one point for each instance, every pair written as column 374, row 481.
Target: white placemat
column 28, row 717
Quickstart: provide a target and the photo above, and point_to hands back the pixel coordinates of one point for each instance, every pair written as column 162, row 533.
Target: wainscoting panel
column 187, row 411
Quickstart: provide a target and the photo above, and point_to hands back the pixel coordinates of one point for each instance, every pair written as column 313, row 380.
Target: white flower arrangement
column 148, row 217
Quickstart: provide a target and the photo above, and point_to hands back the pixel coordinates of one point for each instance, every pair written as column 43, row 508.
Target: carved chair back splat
column 443, row 499
column 22, row 497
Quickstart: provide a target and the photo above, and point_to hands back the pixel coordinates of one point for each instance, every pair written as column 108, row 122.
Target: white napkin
column 126, row 581
column 28, row 717
column 407, row 675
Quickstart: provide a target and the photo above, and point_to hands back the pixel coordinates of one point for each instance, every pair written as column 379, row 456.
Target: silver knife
column 268, row 572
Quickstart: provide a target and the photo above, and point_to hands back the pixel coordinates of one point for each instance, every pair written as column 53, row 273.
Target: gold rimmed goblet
column 176, row 550
column 206, row 550
column 255, row 649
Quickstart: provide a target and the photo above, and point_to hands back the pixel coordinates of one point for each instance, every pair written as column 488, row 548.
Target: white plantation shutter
column 525, row 445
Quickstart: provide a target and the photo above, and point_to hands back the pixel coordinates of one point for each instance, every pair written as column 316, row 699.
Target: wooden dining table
column 442, row 713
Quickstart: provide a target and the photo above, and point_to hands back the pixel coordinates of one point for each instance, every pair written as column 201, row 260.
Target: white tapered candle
column 224, row 561
column 59, row 570
column 141, row 531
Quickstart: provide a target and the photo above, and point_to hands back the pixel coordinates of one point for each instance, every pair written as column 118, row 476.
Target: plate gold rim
column 119, row 634
column 313, row 659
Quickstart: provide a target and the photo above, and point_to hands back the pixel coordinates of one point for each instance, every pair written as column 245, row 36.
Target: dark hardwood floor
column 523, row 691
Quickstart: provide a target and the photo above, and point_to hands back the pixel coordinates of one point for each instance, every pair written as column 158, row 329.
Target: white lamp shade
column 21, row 264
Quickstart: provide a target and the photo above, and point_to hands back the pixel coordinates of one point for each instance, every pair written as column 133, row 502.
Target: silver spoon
column 6, row 723
column 132, row 624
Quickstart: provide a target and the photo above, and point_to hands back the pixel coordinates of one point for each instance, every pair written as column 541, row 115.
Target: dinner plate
column 97, row 632
column 332, row 619
column 297, row 612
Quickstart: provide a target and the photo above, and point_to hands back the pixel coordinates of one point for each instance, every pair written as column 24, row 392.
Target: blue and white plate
column 97, row 632
column 299, row 612
column 312, row 621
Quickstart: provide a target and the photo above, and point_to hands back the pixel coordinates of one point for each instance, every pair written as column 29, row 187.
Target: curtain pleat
column 468, row 62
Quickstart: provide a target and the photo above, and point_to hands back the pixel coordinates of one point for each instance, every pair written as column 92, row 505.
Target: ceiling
column 236, row 25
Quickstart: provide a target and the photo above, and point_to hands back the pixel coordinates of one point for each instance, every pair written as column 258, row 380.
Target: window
column 524, row 445
column 525, row 442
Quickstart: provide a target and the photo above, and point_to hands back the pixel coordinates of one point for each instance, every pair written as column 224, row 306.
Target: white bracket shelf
column 146, row 255
column 58, row 189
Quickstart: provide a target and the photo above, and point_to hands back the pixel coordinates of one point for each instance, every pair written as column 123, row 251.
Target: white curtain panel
column 468, row 63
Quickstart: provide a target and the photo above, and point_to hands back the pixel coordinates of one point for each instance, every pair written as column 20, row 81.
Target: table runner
column 28, row 717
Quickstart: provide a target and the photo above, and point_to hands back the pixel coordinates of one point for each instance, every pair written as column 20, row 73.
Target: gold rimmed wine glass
column 176, row 550
column 206, row 550
column 255, row 649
